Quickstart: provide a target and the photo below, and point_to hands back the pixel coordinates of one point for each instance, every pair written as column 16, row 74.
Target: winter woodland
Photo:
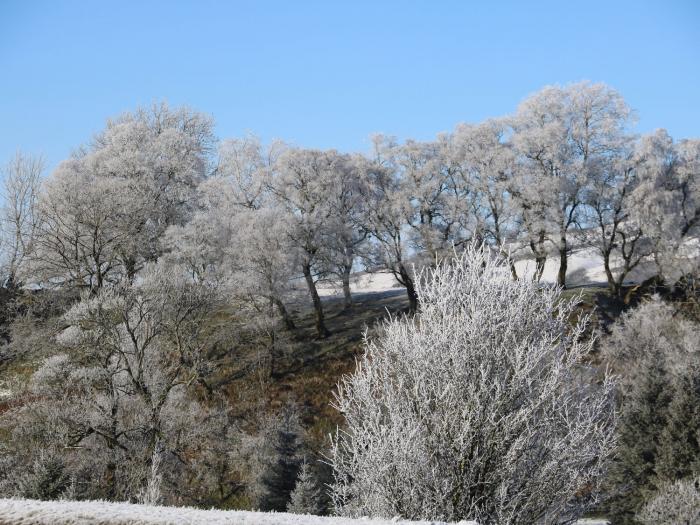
column 141, row 272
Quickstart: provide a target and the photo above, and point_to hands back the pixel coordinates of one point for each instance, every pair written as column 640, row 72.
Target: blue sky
column 326, row 74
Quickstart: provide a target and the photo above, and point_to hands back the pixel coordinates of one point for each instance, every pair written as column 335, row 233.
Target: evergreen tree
column 679, row 450
column 642, row 419
column 46, row 480
column 306, row 498
column 282, row 472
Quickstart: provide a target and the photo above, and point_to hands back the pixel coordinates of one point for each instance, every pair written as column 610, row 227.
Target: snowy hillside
column 585, row 268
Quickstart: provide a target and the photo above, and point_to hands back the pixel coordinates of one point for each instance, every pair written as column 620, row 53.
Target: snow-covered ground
column 585, row 267
column 26, row 512
column 362, row 282
column 32, row 512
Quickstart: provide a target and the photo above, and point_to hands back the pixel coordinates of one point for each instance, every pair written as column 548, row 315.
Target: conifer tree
column 679, row 450
column 642, row 418
column 282, row 472
column 306, row 497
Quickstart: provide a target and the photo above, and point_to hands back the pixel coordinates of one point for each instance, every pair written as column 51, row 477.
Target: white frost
column 25, row 512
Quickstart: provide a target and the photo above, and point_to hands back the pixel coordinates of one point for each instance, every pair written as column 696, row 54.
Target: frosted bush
column 477, row 408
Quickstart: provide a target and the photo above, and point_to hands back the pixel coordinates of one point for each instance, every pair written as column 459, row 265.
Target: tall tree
column 22, row 180
column 386, row 216
column 667, row 202
column 303, row 185
column 561, row 134
column 348, row 208
column 487, row 162
column 615, row 232
column 103, row 212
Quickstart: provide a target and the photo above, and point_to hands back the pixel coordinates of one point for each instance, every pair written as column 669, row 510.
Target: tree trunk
column 321, row 330
column 347, row 270
column 410, row 289
column 513, row 271
column 284, row 313
column 347, row 296
column 540, row 256
column 563, row 261
column 612, row 285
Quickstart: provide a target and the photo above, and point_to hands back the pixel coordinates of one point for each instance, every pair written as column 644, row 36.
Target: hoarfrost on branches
column 478, row 408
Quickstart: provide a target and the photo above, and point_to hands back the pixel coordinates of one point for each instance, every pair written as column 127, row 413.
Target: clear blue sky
column 328, row 73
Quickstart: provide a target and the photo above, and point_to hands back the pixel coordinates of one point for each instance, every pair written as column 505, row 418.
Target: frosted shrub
column 675, row 504
column 477, row 408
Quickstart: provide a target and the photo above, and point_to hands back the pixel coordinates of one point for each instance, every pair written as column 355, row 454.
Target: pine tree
column 46, row 480
column 306, row 498
column 679, row 450
column 642, row 419
column 280, row 477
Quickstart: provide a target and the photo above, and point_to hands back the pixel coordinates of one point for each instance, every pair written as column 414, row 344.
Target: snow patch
column 362, row 282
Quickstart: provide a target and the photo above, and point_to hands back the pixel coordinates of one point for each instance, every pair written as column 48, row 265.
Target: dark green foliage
column 279, row 479
column 642, row 418
column 46, row 480
column 655, row 350
column 679, row 450
column 658, row 437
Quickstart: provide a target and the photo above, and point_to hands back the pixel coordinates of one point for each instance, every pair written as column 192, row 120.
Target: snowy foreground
column 25, row 512
column 32, row 512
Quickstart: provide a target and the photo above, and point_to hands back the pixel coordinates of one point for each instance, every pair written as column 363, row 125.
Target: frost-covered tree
column 245, row 250
column 306, row 498
column 652, row 331
column 487, row 167
column 386, row 216
column 22, row 180
column 85, row 228
column 243, row 173
column 610, row 210
column 103, row 212
column 348, row 240
column 668, row 202
column 45, row 479
column 561, row 135
column 675, row 504
column 480, row 407
column 237, row 236
column 304, row 183
column 424, row 173
column 120, row 383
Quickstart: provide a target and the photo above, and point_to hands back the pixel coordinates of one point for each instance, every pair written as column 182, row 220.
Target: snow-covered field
column 32, row 512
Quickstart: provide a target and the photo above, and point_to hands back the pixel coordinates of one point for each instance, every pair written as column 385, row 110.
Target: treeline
column 563, row 170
